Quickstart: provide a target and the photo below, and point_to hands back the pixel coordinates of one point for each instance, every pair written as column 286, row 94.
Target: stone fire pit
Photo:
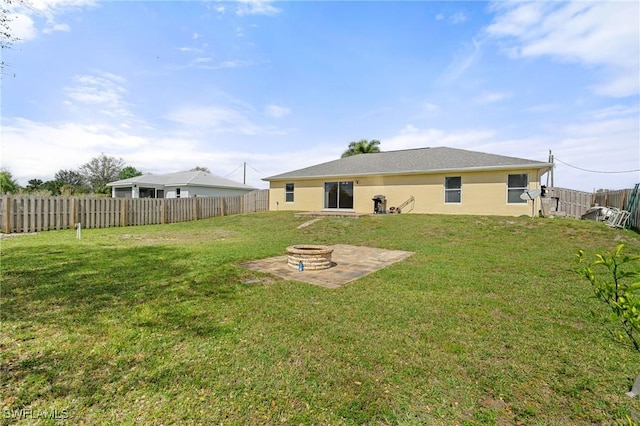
column 313, row 257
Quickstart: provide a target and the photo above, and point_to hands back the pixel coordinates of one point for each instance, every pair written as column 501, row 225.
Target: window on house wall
column 288, row 192
column 453, row 189
column 177, row 192
column 516, row 185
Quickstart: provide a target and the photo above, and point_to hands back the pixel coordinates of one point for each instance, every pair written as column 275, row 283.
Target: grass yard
column 485, row 324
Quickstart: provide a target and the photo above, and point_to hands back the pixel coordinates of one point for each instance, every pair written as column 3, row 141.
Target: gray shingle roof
column 411, row 161
column 193, row 178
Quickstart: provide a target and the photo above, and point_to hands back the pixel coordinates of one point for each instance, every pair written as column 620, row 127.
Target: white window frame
column 288, row 193
column 453, row 190
column 522, row 189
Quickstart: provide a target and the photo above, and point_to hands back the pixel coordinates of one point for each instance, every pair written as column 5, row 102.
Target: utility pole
column 244, row 179
column 550, row 175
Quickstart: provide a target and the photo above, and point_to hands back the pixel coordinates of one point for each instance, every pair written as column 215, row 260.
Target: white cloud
column 605, row 139
column 57, row 27
column 219, row 119
column 28, row 16
column 603, row 34
column 542, row 108
column 64, row 146
column 458, row 18
column 256, row 7
column 462, row 62
column 69, row 145
column 190, row 49
column 491, row 97
column 613, row 111
column 105, row 91
column 218, row 7
column 429, row 107
column 22, row 27
column 276, row 111
column 413, row 137
column 424, row 109
column 516, row 19
column 234, row 64
column 208, row 65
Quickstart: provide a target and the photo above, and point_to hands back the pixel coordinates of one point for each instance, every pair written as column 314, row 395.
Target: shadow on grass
column 75, row 285
column 79, row 320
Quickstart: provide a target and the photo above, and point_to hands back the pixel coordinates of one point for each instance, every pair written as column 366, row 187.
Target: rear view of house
column 426, row 180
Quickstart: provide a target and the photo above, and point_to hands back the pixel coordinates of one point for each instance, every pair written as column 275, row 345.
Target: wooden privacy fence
column 23, row 213
column 576, row 203
column 573, row 203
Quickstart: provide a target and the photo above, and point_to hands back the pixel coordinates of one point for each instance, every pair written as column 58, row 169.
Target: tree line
column 90, row 178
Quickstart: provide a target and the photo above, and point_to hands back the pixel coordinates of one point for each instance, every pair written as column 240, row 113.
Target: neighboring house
column 440, row 180
column 177, row 185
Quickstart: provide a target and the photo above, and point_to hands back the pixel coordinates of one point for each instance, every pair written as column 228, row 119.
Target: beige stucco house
column 426, row 180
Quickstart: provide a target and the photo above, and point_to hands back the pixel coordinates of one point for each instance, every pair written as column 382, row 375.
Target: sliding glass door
column 338, row 195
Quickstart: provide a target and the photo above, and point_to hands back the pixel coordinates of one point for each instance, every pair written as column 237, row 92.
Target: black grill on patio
column 379, row 204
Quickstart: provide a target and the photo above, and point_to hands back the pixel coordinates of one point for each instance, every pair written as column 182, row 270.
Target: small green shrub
column 617, row 287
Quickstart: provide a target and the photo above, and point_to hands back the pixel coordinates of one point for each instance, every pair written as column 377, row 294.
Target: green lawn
column 485, row 324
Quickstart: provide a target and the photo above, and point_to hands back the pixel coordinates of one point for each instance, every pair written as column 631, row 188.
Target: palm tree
column 362, row 147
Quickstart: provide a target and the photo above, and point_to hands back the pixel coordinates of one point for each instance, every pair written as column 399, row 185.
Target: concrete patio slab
column 349, row 264
column 340, row 214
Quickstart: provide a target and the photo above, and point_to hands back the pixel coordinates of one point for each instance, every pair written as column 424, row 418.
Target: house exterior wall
column 482, row 193
column 136, row 191
column 121, row 192
column 202, row 191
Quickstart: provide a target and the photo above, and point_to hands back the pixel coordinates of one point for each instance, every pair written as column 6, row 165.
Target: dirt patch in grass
column 4, row 236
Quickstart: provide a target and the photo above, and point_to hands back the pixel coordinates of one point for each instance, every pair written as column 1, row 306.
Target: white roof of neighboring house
column 193, row 178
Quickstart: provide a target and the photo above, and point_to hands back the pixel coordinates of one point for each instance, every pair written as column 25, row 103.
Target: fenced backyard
column 24, row 213
column 485, row 324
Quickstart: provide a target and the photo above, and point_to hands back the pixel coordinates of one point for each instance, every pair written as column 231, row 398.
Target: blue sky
column 170, row 85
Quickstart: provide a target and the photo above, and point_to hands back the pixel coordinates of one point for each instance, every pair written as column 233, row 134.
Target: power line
column 242, row 165
column 237, row 168
column 255, row 169
column 594, row 171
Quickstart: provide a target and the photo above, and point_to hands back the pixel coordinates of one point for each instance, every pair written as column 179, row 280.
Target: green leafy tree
column 129, row 172
column 70, row 177
column 101, row 170
column 362, row 147
column 70, row 182
column 616, row 283
column 7, row 37
column 34, row 185
column 8, row 185
column 53, row 186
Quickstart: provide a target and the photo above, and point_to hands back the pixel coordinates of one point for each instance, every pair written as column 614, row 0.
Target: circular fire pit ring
column 313, row 257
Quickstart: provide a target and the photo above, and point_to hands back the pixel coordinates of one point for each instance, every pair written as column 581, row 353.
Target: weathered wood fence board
column 573, row 203
column 23, row 213
column 576, row 203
